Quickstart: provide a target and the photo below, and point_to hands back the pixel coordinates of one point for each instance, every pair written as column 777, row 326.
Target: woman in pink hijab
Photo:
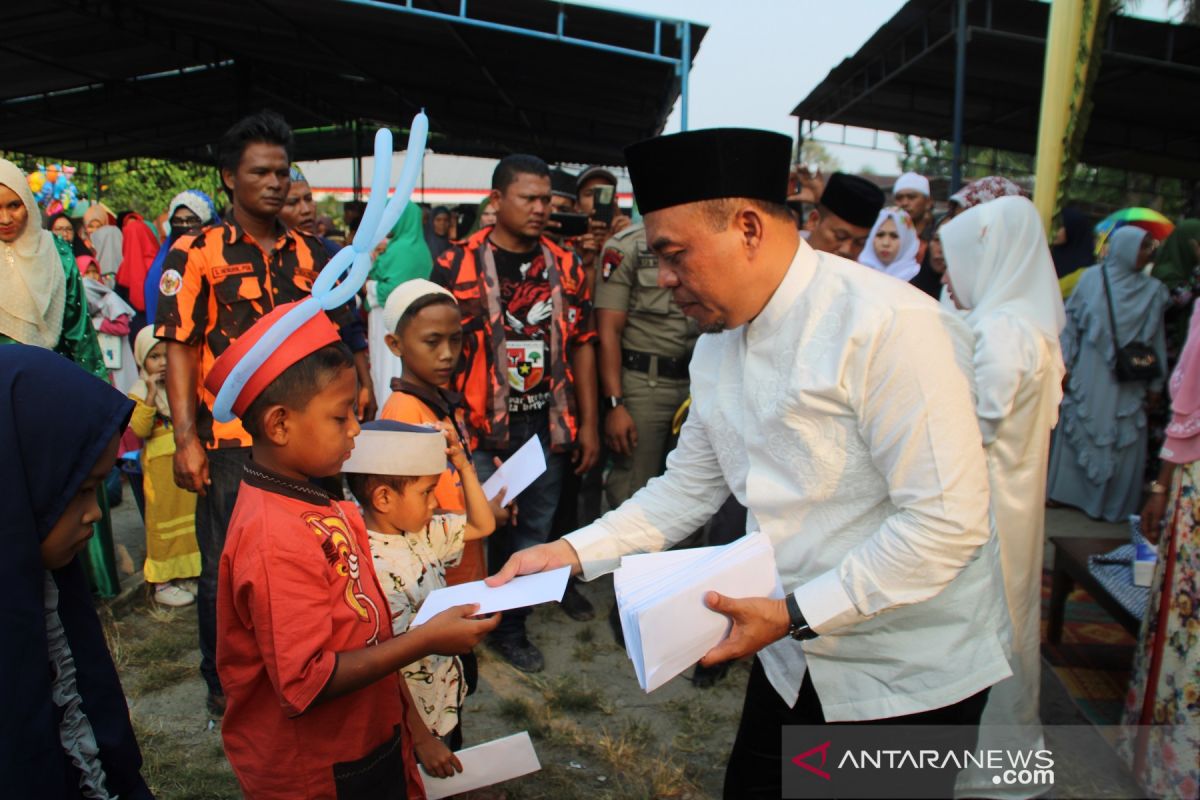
column 1165, row 685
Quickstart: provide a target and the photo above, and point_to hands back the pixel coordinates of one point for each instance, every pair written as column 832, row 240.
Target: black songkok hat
column 563, row 183
column 709, row 165
column 854, row 199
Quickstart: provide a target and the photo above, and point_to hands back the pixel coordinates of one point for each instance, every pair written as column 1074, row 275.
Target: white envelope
column 485, row 765
column 527, row 590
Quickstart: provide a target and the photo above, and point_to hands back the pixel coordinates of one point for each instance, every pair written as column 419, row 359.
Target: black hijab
column 1079, row 250
column 55, row 422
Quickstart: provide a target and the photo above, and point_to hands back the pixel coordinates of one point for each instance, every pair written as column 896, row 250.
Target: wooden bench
column 1071, row 570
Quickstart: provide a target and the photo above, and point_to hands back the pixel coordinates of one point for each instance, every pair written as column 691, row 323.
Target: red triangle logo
column 800, row 760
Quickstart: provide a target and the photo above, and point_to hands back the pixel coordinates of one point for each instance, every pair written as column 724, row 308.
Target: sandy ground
column 597, row 734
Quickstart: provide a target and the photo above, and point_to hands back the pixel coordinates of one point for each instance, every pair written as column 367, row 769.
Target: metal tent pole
column 960, row 90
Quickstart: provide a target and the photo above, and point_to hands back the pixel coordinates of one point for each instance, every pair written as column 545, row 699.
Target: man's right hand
column 191, row 467
column 540, row 558
column 454, row 632
column 620, row 431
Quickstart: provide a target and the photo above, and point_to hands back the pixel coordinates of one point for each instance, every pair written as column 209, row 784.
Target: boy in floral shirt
column 393, row 474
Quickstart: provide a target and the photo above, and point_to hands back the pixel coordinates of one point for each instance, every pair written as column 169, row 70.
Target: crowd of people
column 741, row 352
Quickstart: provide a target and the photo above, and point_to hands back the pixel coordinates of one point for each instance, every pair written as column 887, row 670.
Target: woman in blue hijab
column 190, row 211
column 65, row 730
column 1099, row 447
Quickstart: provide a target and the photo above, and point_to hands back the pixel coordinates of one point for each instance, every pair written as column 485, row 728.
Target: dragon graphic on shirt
column 337, row 542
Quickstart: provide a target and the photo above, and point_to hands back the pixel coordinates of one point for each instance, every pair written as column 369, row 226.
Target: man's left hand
column 757, row 622
column 587, row 449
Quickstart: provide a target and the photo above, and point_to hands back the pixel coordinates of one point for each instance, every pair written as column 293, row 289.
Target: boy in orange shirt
column 305, row 653
column 425, row 332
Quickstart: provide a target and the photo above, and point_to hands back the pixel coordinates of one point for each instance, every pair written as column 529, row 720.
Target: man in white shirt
column 835, row 403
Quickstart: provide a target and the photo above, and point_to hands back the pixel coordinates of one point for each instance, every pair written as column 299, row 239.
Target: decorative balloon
column 349, row 266
column 54, row 188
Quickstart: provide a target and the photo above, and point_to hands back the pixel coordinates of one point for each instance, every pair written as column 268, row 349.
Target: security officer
column 645, row 345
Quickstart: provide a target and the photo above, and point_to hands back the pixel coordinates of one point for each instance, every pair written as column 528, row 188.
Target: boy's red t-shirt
column 296, row 586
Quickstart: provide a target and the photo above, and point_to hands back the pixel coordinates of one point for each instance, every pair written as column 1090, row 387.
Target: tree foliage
column 146, row 185
column 1101, row 188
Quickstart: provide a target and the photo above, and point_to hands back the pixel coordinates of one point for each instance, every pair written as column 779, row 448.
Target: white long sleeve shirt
column 842, row 418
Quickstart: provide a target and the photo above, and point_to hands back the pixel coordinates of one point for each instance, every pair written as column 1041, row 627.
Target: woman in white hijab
column 41, row 293
column 1000, row 274
column 893, row 245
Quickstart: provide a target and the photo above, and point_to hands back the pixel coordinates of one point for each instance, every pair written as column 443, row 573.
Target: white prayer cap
column 912, row 181
column 404, row 296
column 387, row 447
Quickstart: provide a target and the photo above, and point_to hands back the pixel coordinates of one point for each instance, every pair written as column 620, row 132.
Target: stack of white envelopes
column 660, row 596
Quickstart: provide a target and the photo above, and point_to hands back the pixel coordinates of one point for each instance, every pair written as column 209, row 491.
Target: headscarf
column 108, row 244
column 103, row 300
column 983, row 190
column 1133, row 293
column 904, row 266
column 1175, row 261
column 100, row 213
column 55, row 422
column 998, row 261
column 477, row 225
column 437, row 244
column 139, row 247
column 1079, row 250
column 195, row 201
column 406, row 257
column 33, row 288
column 199, row 204
column 142, row 345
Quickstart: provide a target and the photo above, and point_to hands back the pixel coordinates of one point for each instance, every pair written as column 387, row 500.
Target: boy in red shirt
column 305, row 651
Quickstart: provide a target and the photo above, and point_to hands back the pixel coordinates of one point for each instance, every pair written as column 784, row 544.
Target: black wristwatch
column 798, row 627
column 613, row 402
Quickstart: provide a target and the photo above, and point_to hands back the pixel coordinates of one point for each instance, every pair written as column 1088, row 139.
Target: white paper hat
column 912, row 181
column 404, row 296
column 387, row 447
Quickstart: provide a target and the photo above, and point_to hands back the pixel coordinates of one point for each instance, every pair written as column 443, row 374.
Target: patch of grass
column 574, row 696
column 523, row 714
column 163, row 676
column 625, row 746
column 163, row 639
column 583, row 653
column 177, row 770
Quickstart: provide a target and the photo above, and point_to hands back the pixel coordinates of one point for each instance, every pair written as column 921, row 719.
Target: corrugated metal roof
column 1144, row 118
column 95, row 80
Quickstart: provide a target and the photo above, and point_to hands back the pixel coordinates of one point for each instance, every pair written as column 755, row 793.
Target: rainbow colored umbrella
column 1146, row 218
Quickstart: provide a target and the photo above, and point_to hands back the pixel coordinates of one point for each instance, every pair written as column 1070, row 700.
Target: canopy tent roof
column 92, row 80
column 1144, row 117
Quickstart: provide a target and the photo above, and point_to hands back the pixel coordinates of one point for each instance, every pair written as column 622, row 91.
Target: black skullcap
column 708, row 165
column 854, row 199
column 563, row 183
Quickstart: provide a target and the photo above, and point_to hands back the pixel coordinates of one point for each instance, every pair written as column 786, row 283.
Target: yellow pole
column 1058, row 82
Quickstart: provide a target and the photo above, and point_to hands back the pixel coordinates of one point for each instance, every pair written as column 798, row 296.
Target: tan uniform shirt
column 628, row 282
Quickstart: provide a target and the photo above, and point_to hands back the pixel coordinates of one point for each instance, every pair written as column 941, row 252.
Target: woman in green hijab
column 404, row 256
